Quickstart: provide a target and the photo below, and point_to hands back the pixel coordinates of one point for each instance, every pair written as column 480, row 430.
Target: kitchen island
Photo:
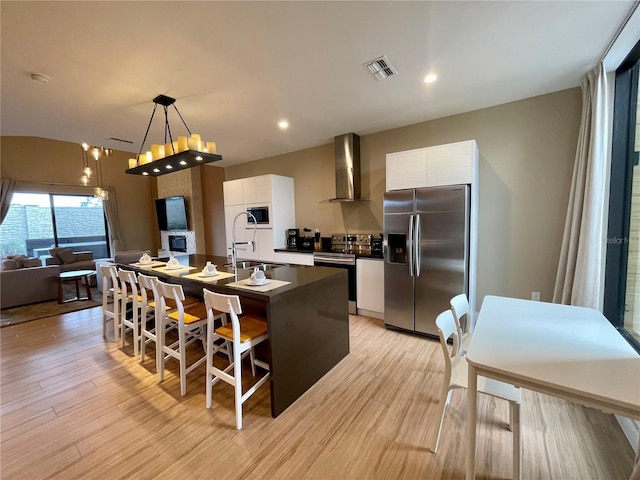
column 308, row 318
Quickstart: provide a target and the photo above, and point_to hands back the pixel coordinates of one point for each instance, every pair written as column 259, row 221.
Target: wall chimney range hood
column 347, row 169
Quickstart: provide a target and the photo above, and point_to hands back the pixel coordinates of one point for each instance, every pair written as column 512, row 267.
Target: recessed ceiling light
column 283, row 124
column 432, row 77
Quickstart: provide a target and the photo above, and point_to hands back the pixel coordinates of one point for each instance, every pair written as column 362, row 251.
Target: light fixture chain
column 167, row 129
column 147, row 132
column 184, row 123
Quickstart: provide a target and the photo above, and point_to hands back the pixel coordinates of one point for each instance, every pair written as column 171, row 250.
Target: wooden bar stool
column 110, row 289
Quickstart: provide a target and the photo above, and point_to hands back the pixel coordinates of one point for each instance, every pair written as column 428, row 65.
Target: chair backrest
column 446, row 329
column 460, row 308
column 224, row 303
column 110, row 279
column 128, row 277
column 172, row 291
column 147, row 284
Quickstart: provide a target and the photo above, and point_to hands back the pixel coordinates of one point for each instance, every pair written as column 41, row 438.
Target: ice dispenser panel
column 396, row 248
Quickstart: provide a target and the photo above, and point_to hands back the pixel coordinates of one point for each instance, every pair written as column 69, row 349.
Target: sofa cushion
column 31, row 262
column 66, row 256
column 19, row 259
column 54, row 253
column 9, row 264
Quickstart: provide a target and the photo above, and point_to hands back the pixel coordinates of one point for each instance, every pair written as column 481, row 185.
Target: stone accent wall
column 187, row 183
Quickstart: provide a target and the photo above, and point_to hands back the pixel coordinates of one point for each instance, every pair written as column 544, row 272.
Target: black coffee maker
column 292, row 237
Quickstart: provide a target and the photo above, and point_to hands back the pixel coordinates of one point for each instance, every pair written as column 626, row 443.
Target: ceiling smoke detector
column 380, row 68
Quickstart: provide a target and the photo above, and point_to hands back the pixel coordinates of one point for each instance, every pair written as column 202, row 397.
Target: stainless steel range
column 344, row 249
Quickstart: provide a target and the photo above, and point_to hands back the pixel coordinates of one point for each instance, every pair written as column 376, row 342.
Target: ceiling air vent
column 380, row 68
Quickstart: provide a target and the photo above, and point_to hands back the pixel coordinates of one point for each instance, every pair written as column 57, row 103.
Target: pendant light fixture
column 89, row 173
column 171, row 156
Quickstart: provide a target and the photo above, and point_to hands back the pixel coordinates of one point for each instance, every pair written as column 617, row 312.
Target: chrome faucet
column 234, row 252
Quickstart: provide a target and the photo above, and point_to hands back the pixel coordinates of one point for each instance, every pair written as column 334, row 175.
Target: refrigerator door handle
column 416, row 243
column 410, row 246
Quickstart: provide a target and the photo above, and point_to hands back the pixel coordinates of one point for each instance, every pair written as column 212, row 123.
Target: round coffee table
column 76, row 276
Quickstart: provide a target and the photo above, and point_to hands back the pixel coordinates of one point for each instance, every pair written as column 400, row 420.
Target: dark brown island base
column 308, row 318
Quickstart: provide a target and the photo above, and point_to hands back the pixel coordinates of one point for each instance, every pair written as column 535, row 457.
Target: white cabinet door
column 370, row 285
column 407, row 169
column 257, row 189
column 294, row 258
column 263, row 189
column 450, row 164
column 264, row 245
column 233, row 192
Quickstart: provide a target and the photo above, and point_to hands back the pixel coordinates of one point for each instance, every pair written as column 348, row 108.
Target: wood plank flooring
column 74, row 405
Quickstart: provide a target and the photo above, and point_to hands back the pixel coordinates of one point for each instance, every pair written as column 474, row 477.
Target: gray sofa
column 28, row 285
column 69, row 260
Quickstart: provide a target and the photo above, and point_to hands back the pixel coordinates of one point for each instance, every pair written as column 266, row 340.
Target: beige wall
column 527, row 150
column 42, row 161
column 213, row 207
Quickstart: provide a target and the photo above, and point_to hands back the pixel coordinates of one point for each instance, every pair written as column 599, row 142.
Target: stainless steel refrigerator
column 426, row 254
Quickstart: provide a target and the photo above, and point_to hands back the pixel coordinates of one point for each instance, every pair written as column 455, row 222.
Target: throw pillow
column 31, row 262
column 66, row 255
column 54, row 253
column 19, row 259
column 10, row 264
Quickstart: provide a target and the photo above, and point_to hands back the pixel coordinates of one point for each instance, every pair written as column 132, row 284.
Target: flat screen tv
column 172, row 213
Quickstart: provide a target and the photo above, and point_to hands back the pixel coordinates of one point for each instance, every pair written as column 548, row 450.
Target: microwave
column 261, row 213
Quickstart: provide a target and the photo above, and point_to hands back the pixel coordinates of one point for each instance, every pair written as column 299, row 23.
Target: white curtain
column 7, row 187
column 580, row 276
column 116, row 242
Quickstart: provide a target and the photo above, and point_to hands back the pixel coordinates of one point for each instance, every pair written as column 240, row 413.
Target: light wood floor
column 76, row 406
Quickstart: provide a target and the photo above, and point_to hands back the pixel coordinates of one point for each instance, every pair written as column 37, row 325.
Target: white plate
column 205, row 275
column 255, row 283
column 178, row 267
column 145, row 263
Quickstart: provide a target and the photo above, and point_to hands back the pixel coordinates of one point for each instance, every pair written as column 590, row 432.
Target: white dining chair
column 190, row 322
column 245, row 333
column 131, row 302
column 456, row 376
column 110, row 296
column 461, row 314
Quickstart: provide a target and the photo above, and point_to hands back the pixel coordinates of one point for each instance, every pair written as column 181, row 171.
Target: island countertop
column 308, row 318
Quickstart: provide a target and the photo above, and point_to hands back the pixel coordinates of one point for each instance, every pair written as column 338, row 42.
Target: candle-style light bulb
column 85, row 146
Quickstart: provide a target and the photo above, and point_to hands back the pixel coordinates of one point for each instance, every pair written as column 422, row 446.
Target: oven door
column 349, row 264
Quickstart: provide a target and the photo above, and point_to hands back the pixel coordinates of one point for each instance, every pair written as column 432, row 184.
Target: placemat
column 175, row 271
column 273, row 284
column 195, row 276
column 154, row 263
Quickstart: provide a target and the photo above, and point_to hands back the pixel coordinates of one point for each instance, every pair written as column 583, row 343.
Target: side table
column 76, row 276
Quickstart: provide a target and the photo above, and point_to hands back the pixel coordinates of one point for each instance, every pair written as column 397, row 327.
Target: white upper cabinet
column 450, row 164
column 407, row 169
column 233, row 192
column 252, row 190
column 275, row 192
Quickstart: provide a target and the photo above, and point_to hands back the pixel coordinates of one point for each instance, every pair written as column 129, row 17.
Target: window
column 622, row 276
column 37, row 222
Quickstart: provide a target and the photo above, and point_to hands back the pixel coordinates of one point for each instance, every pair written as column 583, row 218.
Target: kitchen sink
column 267, row 266
column 260, row 265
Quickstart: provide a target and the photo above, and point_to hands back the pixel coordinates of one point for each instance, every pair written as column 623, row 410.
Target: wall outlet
column 535, row 296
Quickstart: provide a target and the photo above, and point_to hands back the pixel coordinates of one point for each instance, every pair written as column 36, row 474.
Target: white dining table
column 566, row 351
